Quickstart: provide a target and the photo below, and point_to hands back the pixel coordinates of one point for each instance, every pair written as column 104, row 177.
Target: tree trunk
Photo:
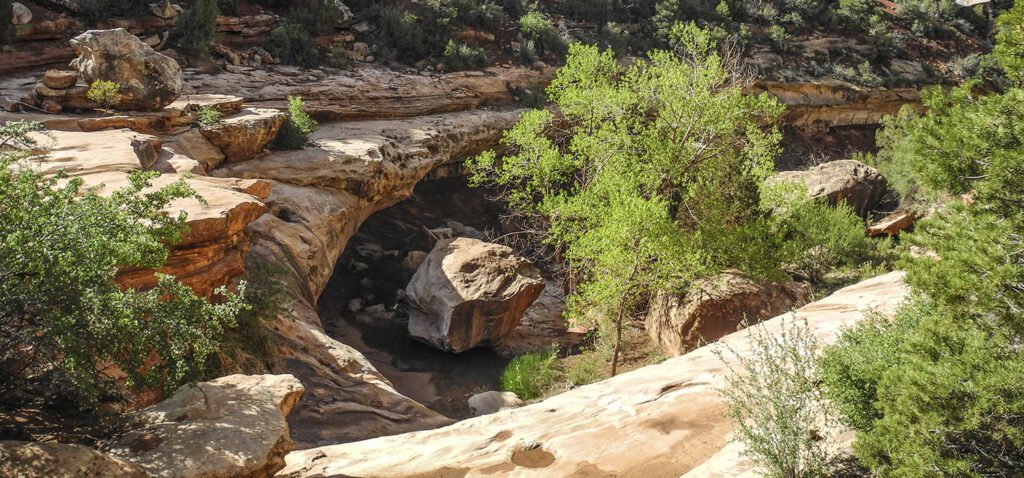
column 618, row 337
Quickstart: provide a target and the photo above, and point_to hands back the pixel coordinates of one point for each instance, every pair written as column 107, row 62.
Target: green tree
column 1009, row 47
column 60, row 310
column 939, row 391
column 651, row 178
column 195, row 31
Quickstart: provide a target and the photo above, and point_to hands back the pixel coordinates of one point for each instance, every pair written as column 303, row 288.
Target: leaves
column 60, row 249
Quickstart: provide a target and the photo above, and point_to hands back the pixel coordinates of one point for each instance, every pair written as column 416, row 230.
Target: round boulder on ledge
column 148, row 80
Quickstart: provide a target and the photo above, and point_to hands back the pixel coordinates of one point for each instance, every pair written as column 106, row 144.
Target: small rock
column 375, row 313
column 164, row 10
column 355, row 305
column 413, row 260
column 493, row 402
column 51, row 107
column 21, row 14
column 362, row 28
column 893, row 224
column 60, row 79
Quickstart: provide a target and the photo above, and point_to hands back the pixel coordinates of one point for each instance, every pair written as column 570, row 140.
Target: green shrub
column 207, row 116
column 459, row 56
column 400, row 35
column 529, row 375
column 61, row 312
column 92, row 12
column 104, row 93
column 194, row 31
column 248, row 347
column 585, row 368
column 292, row 44
column 930, row 394
column 296, row 132
column 820, row 238
column 319, row 17
column 1009, row 47
column 780, row 39
column 535, row 27
column 776, row 406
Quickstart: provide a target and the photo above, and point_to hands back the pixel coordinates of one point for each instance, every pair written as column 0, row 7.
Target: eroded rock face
column 661, row 420
column 715, row 308
column 469, row 293
column 319, row 197
column 829, row 104
column 371, row 91
column 244, row 135
column 233, row 426
column 211, row 254
column 853, row 182
column 148, row 80
column 59, row 460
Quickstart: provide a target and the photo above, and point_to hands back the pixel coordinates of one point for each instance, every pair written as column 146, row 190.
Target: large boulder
column 231, row 426
column 468, row 293
column 58, row 460
column 147, row 79
column 20, row 14
column 244, row 135
column 850, row 181
column 716, row 307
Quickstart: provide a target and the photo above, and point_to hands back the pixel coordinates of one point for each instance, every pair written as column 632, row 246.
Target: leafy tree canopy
column 652, row 175
column 60, row 310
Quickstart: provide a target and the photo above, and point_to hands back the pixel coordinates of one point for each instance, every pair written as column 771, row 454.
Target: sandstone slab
column 661, row 420
column 59, row 460
column 229, row 427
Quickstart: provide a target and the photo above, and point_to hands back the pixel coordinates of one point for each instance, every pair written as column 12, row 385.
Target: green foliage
column 459, row 56
column 194, row 32
column 930, row 148
column 657, row 180
column 207, row 116
column 449, row 15
column 1009, row 47
column 400, row 36
column 535, row 27
column 817, row 238
column 319, row 17
column 292, row 44
column 930, row 394
column 297, row 131
column 104, row 93
column 938, row 391
column 248, row 347
column 60, row 248
column 775, row 404
column 92, row 12
column 529, row 375
column 780, row 39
